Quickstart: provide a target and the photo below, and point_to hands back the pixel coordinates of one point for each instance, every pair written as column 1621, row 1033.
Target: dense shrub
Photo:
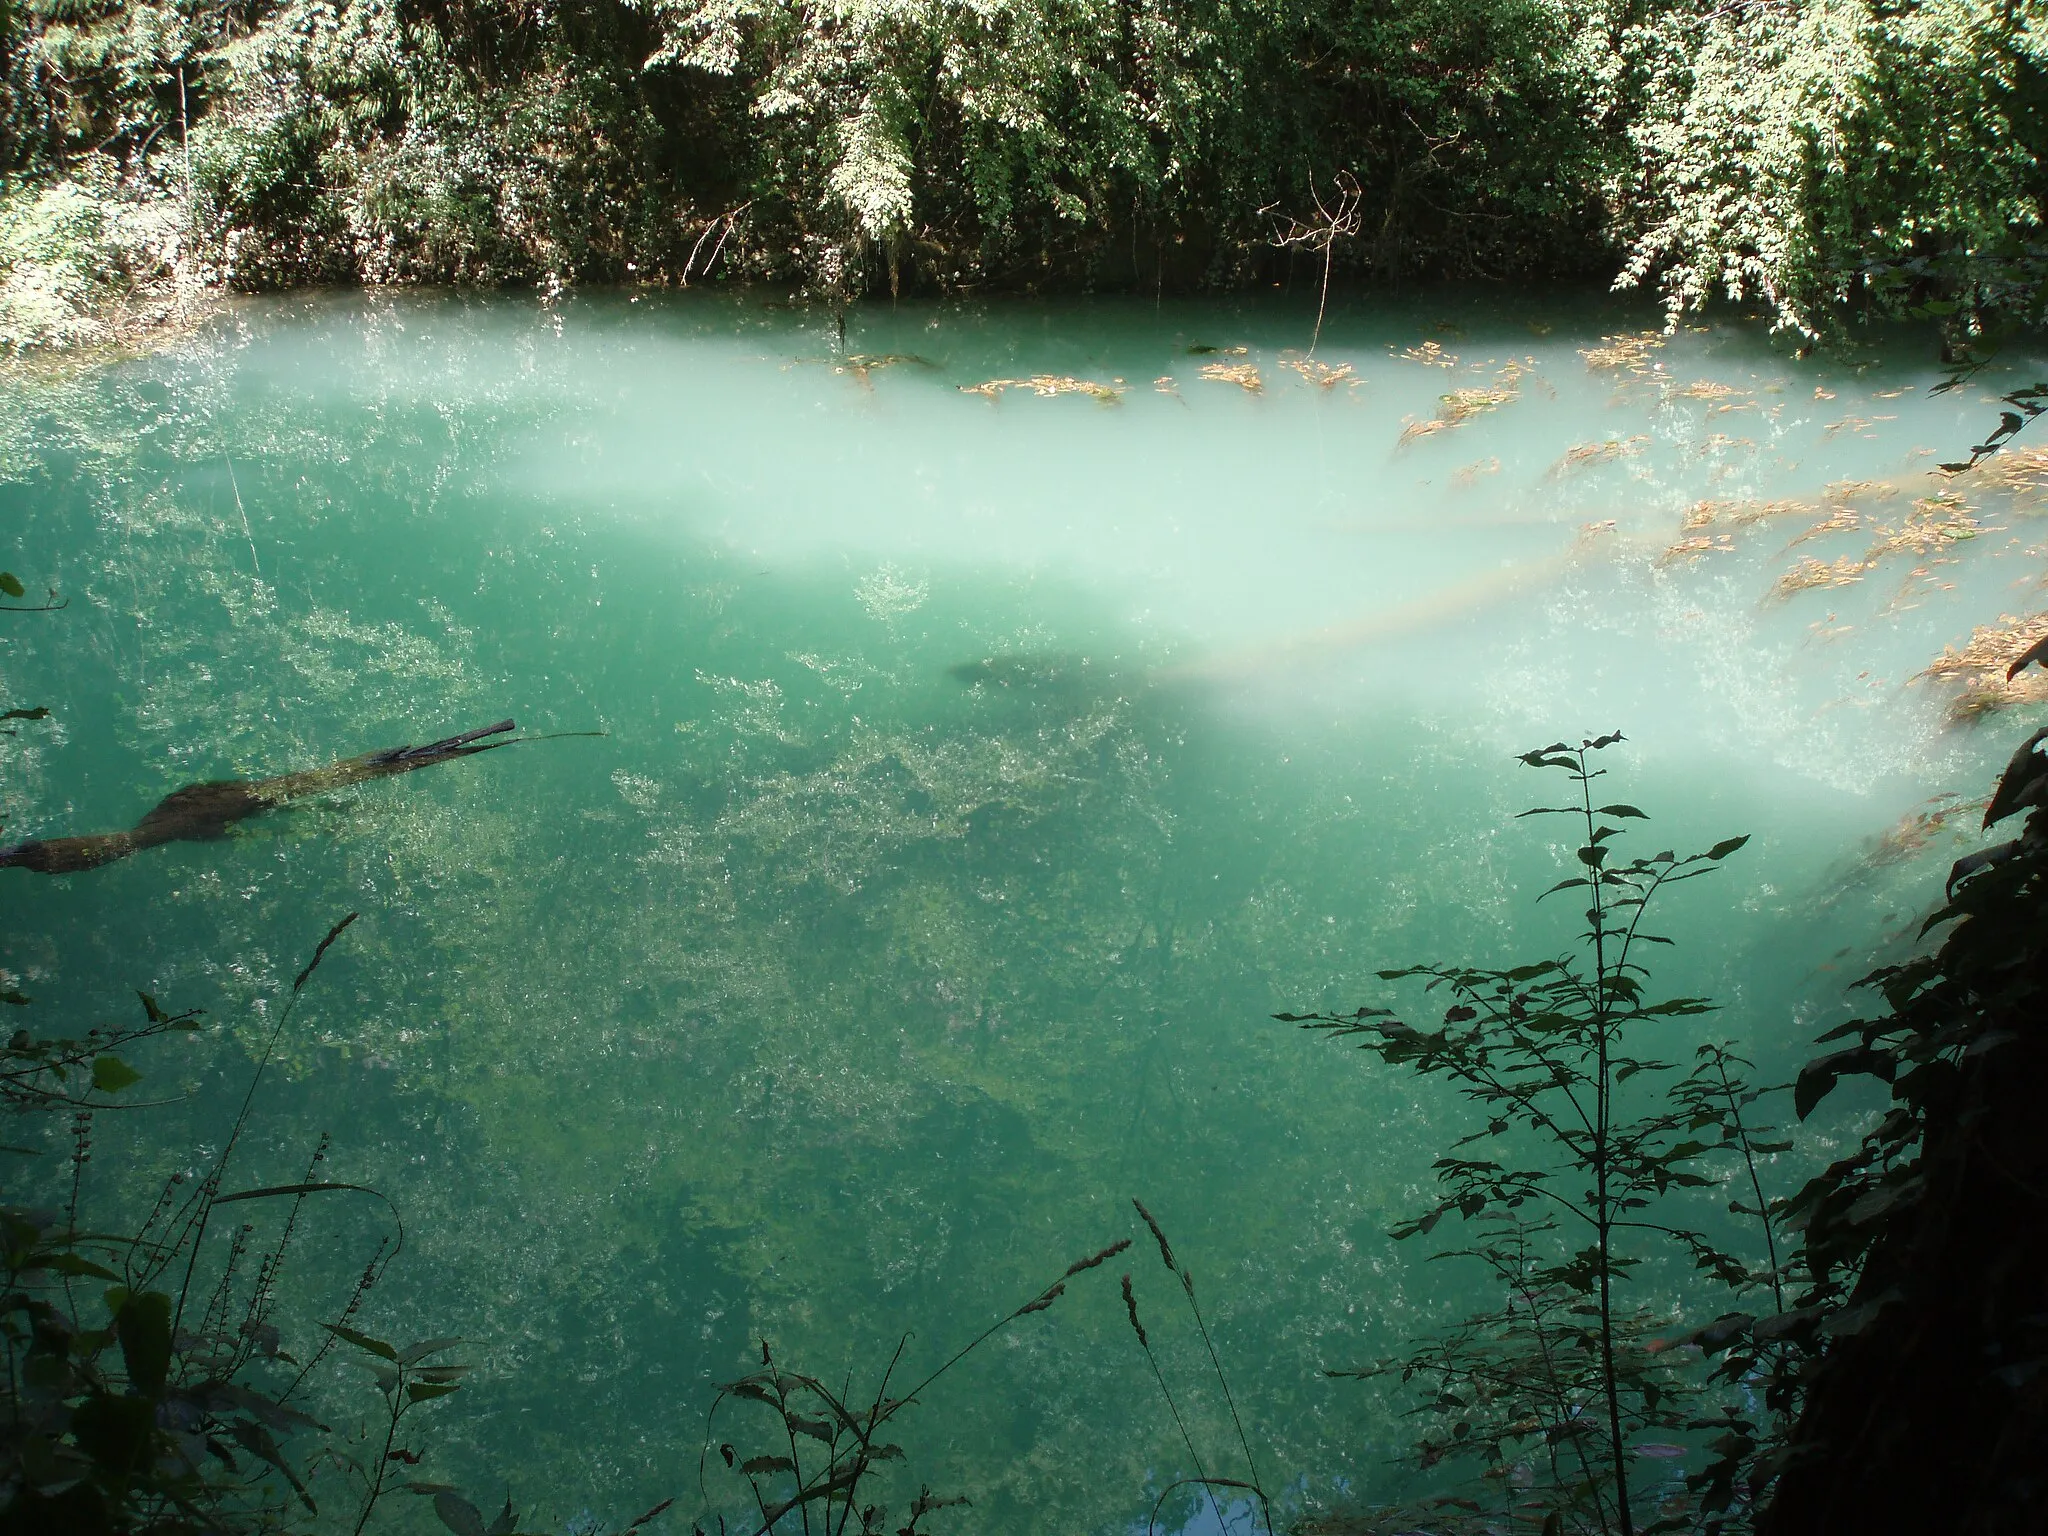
column 66, row 247
column 1813, row 155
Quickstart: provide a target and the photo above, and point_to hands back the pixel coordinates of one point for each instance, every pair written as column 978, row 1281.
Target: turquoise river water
column 980, row 771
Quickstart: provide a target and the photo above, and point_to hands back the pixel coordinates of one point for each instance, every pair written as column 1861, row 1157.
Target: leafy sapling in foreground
column 1585, row 1140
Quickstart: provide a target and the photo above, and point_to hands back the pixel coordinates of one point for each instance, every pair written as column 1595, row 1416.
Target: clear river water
column 1006, row 709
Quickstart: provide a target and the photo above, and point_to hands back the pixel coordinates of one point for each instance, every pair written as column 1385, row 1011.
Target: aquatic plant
column 1605, row 451
column 1811, row 573
column 1628, row 351
column 1844, row 519
column 2016, row 471
column 1430, row 354
column 1742, row 514
column 1991, row 667
column 1690, row 549
column 1461, row 405
column 1707, row 389
column 1920, row 827
column 863, row 365
column 1324, row 376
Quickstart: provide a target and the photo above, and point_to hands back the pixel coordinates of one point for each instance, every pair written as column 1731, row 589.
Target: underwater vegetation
column 908, row 923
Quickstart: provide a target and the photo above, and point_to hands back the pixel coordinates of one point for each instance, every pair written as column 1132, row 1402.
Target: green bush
column 1815, row 156
column 68, row 246
column 1803, row 154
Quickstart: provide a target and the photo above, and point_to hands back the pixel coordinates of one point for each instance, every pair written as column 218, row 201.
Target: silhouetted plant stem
column 376, row 1491
column 1137, row 1327
column 1210, row 1483
column 1187, row 1283
column 81, row 1154
column 1593, row 855
column 1518, row 1280
column 372, row 1269
column 847, row 1431
column 1763, row 1215
column 1546, row 1047
column 789, row 1434
column 210, row 1186
column 1244, row 1441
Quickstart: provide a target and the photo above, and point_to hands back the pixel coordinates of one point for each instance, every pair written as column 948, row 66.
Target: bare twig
column 1335, row 220
column 724, row 224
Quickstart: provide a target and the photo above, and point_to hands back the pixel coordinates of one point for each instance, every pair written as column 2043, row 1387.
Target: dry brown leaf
column 1244, row 375
column 1811, row 573
column 1631, row 352
column 1046, row 385
column 1980, row 668
column 1605, row 452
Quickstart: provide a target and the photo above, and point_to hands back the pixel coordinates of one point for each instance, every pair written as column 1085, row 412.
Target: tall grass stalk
column 1187, row 1284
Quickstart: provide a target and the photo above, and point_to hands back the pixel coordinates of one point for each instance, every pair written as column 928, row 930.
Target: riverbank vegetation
column 1818, row 158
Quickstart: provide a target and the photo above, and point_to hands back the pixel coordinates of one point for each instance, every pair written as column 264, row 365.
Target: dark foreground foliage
column 148, row 1387
column 1927, row 1247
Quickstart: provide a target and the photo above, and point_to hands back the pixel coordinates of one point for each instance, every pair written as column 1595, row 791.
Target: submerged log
column 201, row 812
